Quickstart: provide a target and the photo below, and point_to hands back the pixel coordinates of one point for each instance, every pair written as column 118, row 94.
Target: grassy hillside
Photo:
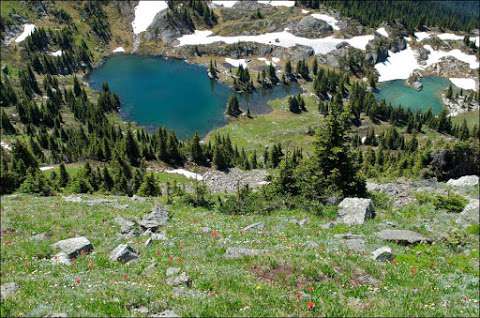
column 306, row 271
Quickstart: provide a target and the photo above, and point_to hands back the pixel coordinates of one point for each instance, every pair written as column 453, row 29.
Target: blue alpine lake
column 159, row 92
column 398, row 93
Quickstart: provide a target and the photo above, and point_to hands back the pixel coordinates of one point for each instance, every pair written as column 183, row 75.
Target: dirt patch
column 284, row 274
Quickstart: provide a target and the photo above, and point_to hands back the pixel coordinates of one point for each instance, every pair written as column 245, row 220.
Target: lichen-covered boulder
column 354, row 211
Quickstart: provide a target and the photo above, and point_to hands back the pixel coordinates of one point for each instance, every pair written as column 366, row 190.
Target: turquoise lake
column 399, row 94
column 171, row 93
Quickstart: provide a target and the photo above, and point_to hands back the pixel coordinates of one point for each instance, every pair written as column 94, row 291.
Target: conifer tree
column 63, row 177
column 6, row 125
column 132, row 150
column 196, row 151
column 149, row 186
column 233, row 107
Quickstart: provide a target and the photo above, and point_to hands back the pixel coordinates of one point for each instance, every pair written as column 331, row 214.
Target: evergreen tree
column 36, row 183
column 149, row 186
column 6, row 125
column 233, row 107
column 132, row 150
column 196, row 151
column 63, row 177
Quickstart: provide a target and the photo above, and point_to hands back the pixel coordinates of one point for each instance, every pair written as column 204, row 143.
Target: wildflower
column 77, row 280
column 310, row 305
column 125, row 276
column 413, row 270
column 214, row 234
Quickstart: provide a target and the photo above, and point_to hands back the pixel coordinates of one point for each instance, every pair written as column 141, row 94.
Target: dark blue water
column 155, row 92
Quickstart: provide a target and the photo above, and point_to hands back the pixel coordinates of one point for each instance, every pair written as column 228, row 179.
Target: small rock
column 353, row 211
column 185, row 292
column 403, row 237
column 311, row 245
column 141, row 310
column 383, row 254
column 166, row 313
column 160, row 236
column 172, row 271
column 137, row 198
column 125, row 225
column 327, row 226
column 206, row 229
column 73, row 198
column 158, row 217
column 150, row 269
column 181, row 279
column 7, row 290
column 61, row 258
column 239, row 252
column 41, row 236
column 465, row 181
column 357, row 245
column 470, row 214
column 254, row 226
column 347, row 236
column 148, row 242
column 73, row 247
column 123, row 253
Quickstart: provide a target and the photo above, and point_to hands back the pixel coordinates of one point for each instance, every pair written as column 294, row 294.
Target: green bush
column 452, row 203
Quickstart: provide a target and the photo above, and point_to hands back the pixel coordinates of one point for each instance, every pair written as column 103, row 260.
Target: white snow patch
column 5, row 145
column 327, row 18
column 278, row 3
column 283, row 39
column 465, row 83
column 56, row 53
column 382, row 31
column 145, row 12
column 226, row 4
column 435, row 56
column 186, row 173
column 422, row 35
column 27, row 30
column 119, row 50
column 400, row 65
column 274, row 61
column 450, row 36
column 47, row 168
column 235, row 62
column 305, row 11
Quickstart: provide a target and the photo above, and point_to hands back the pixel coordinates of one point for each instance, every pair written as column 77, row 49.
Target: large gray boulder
column 73, row 247
column 7, row 290
column 465, row 181
column 158, row 217
column 404, row 237
column 354, row 211
column 310, row 27
column 123, row 253
column 470, row 214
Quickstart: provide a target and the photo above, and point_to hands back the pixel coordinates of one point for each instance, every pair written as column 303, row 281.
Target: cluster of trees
column 191, row 13
column 73, row 57
column 296, row 104
column 453, row 15
column 242, row 82
column 97, row 19
column 268, row 77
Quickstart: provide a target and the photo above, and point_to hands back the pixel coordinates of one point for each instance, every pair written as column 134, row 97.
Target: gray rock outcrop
column 465, row 181
column 354, row 211
column 310, row 27
column 153, row 220
column 404, row 237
